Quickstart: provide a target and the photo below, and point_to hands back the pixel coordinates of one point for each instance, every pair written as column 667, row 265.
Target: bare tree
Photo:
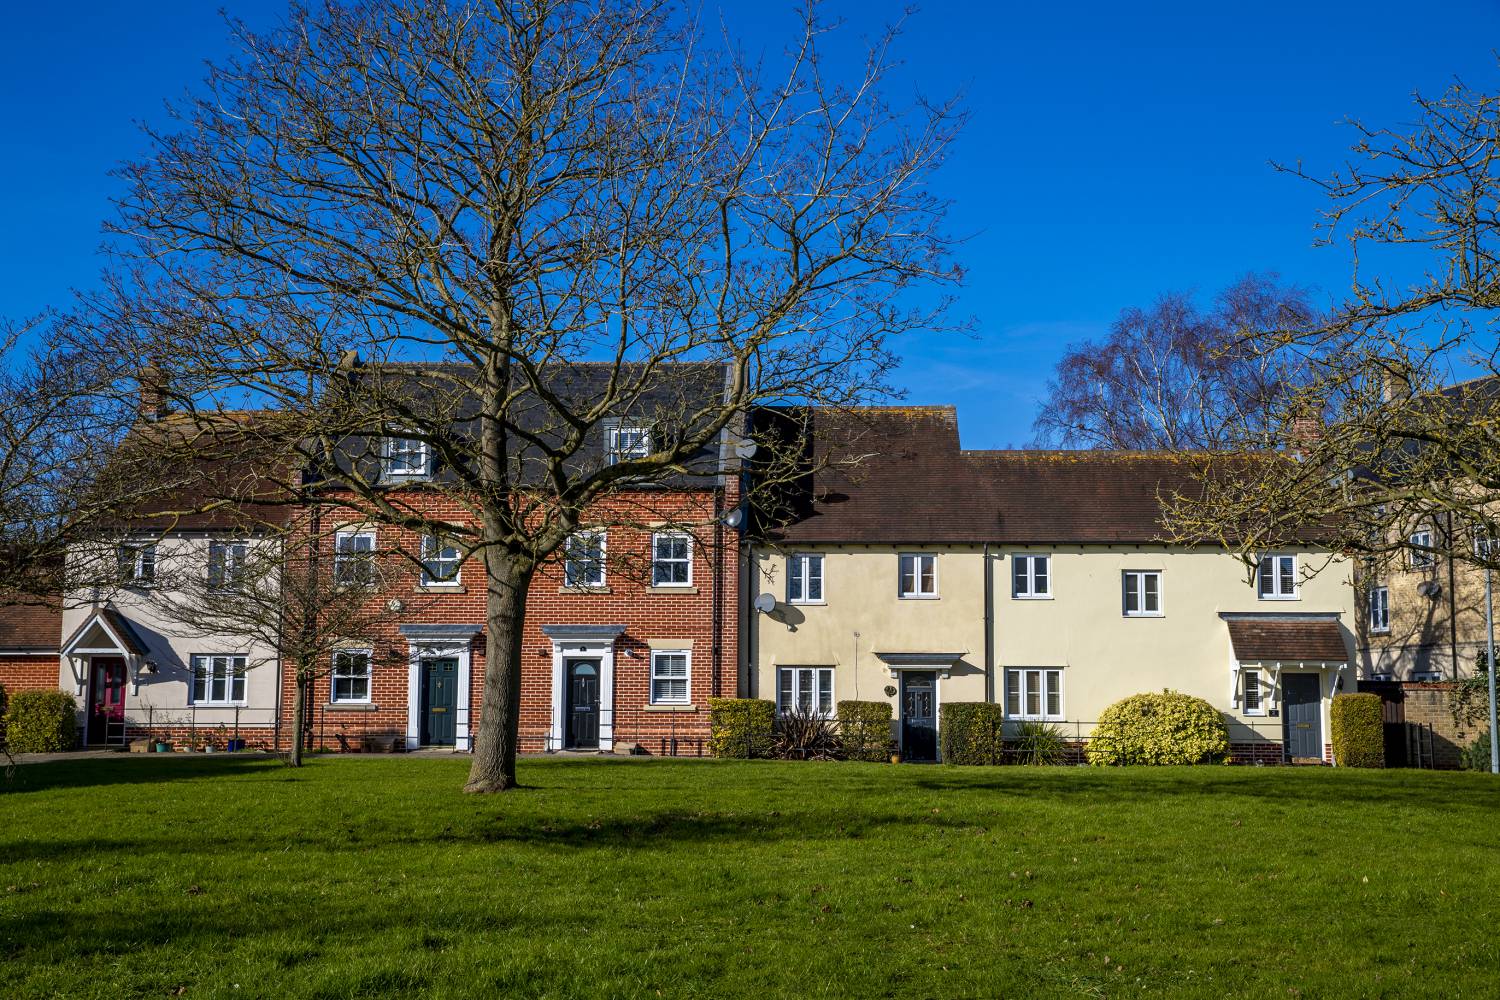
column 1176, row 376
column 585, row 210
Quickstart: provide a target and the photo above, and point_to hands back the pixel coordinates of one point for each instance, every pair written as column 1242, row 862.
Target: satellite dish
column 745, row 448
column 1429, row 588
column 765, row 603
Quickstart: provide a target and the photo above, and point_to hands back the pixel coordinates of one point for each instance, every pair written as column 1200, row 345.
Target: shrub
column 1165, row 728
column 741, row 728
column 973, row 732
column 1356, row 724
column 803, row 734
column 865, row 728
column 1476, row 756
column 41, row 722
column 1040, row 744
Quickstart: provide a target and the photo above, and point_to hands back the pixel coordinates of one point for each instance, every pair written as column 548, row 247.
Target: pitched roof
column 1266, row 638
column 890, row 475
column 114, row 623
column 30, row 627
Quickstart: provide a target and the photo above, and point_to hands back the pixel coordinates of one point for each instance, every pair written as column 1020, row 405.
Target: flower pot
column 234, row 746
column 162, row 746
column 895, row 758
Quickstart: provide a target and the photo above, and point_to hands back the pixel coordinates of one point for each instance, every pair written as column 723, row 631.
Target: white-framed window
column 1421, row 552
column 583, row 559
column 226, row 563
column 1276, row 578
column 1030, row 576
column 440, row 561
column 1484, row 546
column 804, row 578
column 625, row 441
column 218, row 679
column 1033, row 693
column 918, row 574
column 1380, row 609
column 354, row 558
column 808, row 689
column 351, row 676
column 1142, row 593
column 405, row 458
column 671, row 559
column 670, row 671
column 1254, row 697
column 136, row 562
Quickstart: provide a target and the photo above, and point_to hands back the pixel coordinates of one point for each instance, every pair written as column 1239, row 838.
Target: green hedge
column 1165, row 728
column 741, row 727
column 973, row 732
column 1357, row 730
column 41, row 722
column 865, row 729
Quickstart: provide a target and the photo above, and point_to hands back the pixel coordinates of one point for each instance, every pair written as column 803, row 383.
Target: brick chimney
column 152, row 405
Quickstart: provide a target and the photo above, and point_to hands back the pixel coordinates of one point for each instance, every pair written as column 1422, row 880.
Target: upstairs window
column 624, row 442
column 805, row 689
column 671, row 559
column 918, row 574
column 1380, row 609
column 440, row 561
column 1276, row 578
column 1142, row 593
column 1031, row 576
column 405, row 458
column 669, row 677
column 354, row 558
column 226, row 564
column 136, row 562
column 218, row 680
column 1422, row 555
column 804, row 578
column 583, row 560
column 351, row 676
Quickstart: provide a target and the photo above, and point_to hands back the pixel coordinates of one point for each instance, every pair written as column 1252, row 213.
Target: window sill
column 1145, row 614
column 1031, row 597
column 351, row 706
column 442, row 588
column 1273, row 597
column 819, row 604
column 1380, row 631
column 672, row 589
column 584, row 590
column 669, row 708
column 920, row 597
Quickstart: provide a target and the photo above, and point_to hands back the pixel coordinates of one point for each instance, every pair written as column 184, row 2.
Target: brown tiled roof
column 30, row 627
column 1269, row 638
column 898, row 475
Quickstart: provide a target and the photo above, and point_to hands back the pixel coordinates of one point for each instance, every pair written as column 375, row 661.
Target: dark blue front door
column 582, row 683
column 439, row 701
column 1302, row 703
column 918, row 715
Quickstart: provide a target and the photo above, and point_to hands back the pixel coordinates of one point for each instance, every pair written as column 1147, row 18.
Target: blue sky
column 1116, row 151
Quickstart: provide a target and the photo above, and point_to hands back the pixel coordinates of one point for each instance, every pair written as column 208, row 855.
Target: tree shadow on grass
column 89, row 772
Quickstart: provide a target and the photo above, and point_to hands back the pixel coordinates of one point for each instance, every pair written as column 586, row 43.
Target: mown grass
column 377, row 877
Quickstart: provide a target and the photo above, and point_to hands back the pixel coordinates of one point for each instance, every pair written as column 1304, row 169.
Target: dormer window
column 627, row 441
column 405, row 458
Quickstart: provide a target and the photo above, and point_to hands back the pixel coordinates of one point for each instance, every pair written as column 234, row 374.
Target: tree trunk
column 507, row 578
column 299, row 709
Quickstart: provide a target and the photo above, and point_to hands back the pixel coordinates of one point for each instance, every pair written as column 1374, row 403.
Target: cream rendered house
column 928, row 574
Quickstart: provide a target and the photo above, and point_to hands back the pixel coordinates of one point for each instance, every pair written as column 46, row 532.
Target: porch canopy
column 1275, row 641
column 105, row 632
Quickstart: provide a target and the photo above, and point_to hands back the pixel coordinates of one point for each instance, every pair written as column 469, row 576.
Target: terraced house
column 928, row 573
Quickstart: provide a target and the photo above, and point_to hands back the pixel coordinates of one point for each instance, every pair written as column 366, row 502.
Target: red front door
column 106, row 700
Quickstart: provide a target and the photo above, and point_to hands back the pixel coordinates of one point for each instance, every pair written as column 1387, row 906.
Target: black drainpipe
column 989, row 626
column 718, row 612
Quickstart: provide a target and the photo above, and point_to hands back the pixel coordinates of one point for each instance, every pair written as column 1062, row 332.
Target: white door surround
column 592, row 642
column 425, row 642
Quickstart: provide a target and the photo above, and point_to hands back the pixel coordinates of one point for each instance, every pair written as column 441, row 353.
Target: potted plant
column 162, row 746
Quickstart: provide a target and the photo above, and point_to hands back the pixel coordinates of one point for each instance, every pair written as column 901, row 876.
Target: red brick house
column 627, row 635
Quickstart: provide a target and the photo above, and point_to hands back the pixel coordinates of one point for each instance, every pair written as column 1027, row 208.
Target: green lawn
column 377, row 877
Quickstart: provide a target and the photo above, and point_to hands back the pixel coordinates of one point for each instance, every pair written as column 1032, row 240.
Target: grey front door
column 582, row 708
column 918, row 715
column 439, row 701
column 1302, row 712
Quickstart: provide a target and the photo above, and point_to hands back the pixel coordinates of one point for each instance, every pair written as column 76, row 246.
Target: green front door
column 439, row 701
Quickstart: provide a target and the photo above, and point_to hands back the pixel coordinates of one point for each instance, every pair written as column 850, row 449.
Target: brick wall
column 1430, row 704
column 627, row 599
column 28, row 673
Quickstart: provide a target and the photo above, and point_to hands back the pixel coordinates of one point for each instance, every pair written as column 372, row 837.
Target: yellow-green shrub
column 865, row 729
column 973, row 732
column 1165, row 728
column 741, row 727
column 1357, row 730
column 41, row 722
